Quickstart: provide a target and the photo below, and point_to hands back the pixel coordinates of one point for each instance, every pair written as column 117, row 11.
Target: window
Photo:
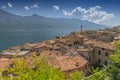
column 76, row 42
column 85, row 66
column 106, row 54
column 103, row 49
column 81, row 54
column 105, row 62
column 37, row 54
column 51, row 49
column 99, row 61
column 12, row 65
column 99, row 52
column 89, row 59
column 83, row 69
column 69, row 70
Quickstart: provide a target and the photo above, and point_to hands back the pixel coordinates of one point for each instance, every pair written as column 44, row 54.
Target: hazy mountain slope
column 15, row 22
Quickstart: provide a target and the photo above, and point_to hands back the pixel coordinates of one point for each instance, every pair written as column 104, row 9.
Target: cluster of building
column 69, row 53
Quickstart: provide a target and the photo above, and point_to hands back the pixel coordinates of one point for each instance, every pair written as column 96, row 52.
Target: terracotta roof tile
column 67, row 62
column 105, row 45
column 100, row 44
column 5, row 63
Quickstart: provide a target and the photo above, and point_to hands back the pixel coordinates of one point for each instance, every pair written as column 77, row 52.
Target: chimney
column 81, row 28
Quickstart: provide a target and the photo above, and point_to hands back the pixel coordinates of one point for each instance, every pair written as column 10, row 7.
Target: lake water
column 13, row 38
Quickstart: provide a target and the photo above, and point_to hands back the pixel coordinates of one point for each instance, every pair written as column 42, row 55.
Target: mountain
column 11, row 21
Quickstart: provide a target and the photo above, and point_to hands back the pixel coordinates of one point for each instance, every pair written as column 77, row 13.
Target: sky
column 105, row 12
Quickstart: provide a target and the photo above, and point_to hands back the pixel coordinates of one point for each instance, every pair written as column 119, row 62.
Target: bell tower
column 81, row 29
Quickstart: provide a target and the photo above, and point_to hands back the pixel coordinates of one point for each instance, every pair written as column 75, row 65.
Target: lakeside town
column 76, row 51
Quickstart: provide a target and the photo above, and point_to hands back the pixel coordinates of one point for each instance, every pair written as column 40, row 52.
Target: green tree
column 76, row 76
column 101, row 75
column 21, row 70
column 114, row 68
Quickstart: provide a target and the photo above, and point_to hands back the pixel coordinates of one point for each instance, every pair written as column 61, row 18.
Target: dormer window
column 77, row 64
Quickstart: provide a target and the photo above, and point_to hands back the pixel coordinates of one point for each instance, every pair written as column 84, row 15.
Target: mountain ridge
column 13, row 22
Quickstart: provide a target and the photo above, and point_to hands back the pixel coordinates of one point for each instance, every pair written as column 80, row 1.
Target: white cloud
column 34, row 6
column 55, row 7
column 10, row 5
column 93, row 14
column 3, row 6
column 26, row 8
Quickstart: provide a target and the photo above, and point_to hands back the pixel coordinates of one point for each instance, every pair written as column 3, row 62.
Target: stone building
column 76, row 39
column 102, row 51
column 87, row 54
column 97, row 51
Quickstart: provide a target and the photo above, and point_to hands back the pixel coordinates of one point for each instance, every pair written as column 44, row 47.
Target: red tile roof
column 100, row 44
column 5, row 63
column 67, row 62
